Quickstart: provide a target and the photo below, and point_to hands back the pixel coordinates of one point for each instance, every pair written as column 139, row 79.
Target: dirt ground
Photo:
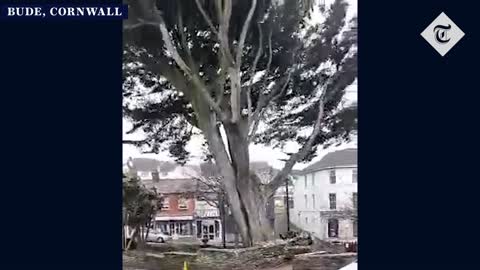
column 281, row 267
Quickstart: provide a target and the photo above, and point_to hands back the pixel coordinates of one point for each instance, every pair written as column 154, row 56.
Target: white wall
column 143, row 175
column 306, row 214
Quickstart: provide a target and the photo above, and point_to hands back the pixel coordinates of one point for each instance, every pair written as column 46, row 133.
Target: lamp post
column 222, row 217
column 287, row 204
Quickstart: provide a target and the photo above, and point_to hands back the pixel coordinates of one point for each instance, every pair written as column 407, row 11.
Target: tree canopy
column 255, row 70
column 291, row 62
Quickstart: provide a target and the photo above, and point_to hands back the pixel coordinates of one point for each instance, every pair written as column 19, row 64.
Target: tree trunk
column 243, row 190
column 141, row 240
column 236, row 239
column 222, row 218
column 248, row 205
column 147, row 232
column 132, row 239
column 253, row 201
column 255, row 206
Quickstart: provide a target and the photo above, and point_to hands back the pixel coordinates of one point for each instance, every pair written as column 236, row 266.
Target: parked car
column 158, row 236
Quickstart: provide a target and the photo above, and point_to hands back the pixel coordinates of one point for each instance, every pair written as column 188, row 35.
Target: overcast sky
column 257, row 152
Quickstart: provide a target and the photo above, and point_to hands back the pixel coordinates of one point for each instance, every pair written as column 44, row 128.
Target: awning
column 208, row 213
column 174, row 218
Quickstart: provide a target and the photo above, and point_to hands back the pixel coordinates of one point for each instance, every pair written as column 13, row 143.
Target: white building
column 325, row 197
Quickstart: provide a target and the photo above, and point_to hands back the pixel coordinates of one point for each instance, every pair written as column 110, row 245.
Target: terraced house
column 188, row 209
column 325, row 197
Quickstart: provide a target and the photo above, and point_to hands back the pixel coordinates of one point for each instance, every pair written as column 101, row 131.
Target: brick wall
column 173, row 209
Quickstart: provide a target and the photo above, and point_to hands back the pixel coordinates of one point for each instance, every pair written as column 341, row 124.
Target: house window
column 145, row 175
column 306, row 201
column 290, row 202
column 165, row 203
column 333, row 177
column 333, row 228
column 199, row 229
column 182, row 203
column 354, row 176
column 313, row 201
column 306, row 220
column 155, row 176
column 355, row 228
column 217, row 229
column 313, row 179
column 355, row 200
column 278, row 203
column 306, row 178
column 332, row 197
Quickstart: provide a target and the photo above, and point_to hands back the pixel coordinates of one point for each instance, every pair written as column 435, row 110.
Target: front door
column 208, row 231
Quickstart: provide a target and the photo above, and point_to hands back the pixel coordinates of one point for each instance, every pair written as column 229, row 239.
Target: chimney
column 155, row 176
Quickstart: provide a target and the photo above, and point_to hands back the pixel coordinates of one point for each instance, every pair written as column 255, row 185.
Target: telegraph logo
column 442, row 34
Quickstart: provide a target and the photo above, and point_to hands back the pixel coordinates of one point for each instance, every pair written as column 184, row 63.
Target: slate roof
column 144, row 164
column 170, row 186
column 341, row 158
column 182, row 181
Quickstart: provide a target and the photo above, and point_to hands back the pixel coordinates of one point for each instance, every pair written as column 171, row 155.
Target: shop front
column 208, row 225
column 182, row 226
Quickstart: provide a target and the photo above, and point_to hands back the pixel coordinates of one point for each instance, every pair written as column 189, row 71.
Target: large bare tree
column 239, row 72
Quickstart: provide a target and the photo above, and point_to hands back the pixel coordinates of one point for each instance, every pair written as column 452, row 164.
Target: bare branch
column 132, row 26
column 206, row 17
column 223, row 42
column 302, row 152
column 224, row 13
column 249, row 105
column 235, row 79
column 243, row 34
column 270, row 52
column 200, row 86
column 222, row 78
column 183, row 40
column 160, row 65
column 276, row 93
column 263, row 104
column 133, row 142
column 211, row 185
column 135, row 127
column 171, row 49
column 227, row 13
column 171, row 72
column 235, row 95
column 252, row 74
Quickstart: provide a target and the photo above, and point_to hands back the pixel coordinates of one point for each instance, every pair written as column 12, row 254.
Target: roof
column 296, row 172
column 169, row 186
column 260, row 165
column 144, row 164
column 166, row 169
column 341, row 158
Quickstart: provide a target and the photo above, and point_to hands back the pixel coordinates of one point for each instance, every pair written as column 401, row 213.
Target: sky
column 257, row 152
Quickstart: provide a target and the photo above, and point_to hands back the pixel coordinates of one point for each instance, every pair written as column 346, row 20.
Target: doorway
column 208, row 232
column 209, row 229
